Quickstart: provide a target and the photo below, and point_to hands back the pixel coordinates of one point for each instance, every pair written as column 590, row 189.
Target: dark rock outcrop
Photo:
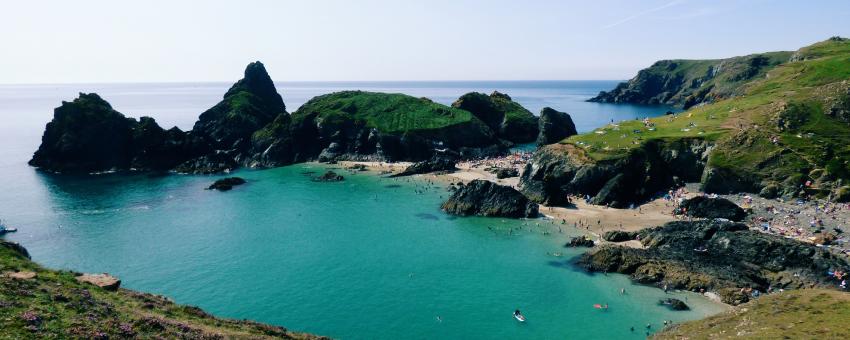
column 436, row 164
column 720, row 256
column 87, row 136
column 554, row 126
column 226, row 184
column 674, row 304
column 686, row 83
column 250, row 127
column 507, row 118
column 249, row 105
column 485, row 198
column 329, row 176
column 15, row 247
column 707, row 207
column 580, row 241
column 557, row 171
column 618, row 236
column 505, row 172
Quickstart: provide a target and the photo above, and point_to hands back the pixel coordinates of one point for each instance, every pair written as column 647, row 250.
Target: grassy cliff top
column 798, row 314
column 745, row 125
column 388, row 112
column 54, row 305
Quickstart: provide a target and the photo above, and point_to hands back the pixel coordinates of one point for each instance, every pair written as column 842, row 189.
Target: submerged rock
column 226, row 184
column 329, row 176
column 674, row 304
column 707, row 207
column 485, row 198
column 580, row 241
column 554, row 126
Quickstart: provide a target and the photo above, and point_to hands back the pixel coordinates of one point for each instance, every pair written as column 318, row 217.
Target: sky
column 336, row 40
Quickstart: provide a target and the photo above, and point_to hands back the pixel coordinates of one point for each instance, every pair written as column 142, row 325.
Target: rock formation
column 509, row 120
column 226, row 183
column 554, row 126
column 686, row 83
column 436, row 164
column 329, row 176
column 486, row 198
column 714, row 255
column 707, row 207
column 557, row 171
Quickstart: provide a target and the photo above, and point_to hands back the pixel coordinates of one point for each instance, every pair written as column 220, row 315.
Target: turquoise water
column 367, row 258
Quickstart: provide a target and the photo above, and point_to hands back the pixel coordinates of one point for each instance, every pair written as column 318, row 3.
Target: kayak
column 519, row 317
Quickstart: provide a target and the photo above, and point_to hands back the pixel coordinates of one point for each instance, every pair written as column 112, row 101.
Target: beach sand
column 588, row 219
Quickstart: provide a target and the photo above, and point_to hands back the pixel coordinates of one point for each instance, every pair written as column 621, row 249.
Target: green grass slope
column 387, row 112
column 685, row 83
column 798, row 314
column 54, row 305
column 781, row 127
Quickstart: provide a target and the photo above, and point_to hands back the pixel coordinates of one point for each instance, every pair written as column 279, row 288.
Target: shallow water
column 367, row 258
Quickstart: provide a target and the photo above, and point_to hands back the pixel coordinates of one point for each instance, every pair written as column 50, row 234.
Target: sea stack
column 485, row 198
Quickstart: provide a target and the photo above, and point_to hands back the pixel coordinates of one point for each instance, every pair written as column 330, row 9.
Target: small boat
column 4, row 229
column 518, row 316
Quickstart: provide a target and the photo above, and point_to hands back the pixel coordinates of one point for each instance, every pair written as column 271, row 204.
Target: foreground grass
column 799, row 314
column 54, row 305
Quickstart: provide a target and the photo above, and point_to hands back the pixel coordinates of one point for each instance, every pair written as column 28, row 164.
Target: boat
column 518, row 316
column 4, row 229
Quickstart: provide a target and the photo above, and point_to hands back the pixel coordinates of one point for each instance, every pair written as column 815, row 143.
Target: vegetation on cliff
column 797, row 314
column 686, row 83
column 771, row 135
column 41, row 303
column 507, row 118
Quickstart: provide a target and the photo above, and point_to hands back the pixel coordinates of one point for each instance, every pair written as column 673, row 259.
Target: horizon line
column 302, row 81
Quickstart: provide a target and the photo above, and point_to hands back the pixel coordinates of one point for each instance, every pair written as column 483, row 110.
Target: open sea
column 367, row 258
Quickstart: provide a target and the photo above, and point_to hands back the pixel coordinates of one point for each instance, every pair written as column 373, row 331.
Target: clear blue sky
column 146, row 41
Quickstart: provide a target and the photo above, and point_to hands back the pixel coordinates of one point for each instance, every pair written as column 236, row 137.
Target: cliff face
column 559, row 170
column 509, row 120
column 686, row 83
column 775, row 130
column 250, row 127
column 554, row 126
column 87, row 135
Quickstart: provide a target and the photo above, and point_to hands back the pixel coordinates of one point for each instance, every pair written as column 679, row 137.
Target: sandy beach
column 592, row 220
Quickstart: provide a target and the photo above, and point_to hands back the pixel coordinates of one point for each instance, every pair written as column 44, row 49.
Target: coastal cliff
column 505, row 117
column 781, row 132
column 250, row 127
column 41, row 303
column 687, row 83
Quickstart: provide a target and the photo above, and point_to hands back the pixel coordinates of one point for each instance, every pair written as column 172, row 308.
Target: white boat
column 4, row 229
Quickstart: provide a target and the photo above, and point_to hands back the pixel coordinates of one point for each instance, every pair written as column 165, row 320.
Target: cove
column 367, row 258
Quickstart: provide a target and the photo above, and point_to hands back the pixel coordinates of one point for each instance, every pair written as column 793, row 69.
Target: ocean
column 367, row 258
